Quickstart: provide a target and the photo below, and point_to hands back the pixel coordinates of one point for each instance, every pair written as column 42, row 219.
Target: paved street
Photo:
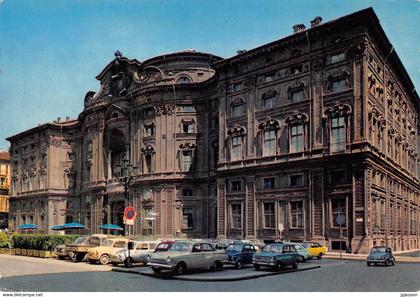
column 332, row 276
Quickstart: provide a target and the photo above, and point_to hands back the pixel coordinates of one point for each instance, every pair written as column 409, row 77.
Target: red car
column 164, row 246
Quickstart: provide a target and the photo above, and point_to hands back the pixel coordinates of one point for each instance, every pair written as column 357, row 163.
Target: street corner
column 228, row 274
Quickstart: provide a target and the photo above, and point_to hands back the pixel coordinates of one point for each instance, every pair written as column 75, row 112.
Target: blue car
column 382, row 255
column 240, row 254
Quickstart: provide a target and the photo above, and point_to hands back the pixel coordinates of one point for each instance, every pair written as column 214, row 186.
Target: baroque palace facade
column 274, row 143
column 4, row 188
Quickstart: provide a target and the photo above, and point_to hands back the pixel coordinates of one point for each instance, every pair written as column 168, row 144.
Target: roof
column 4, row 156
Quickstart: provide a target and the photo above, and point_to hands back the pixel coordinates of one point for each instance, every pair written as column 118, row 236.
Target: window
column 296, row 180
column 296, row 138
column 296, row 212
column 236, row 186
column 186, row 160
column 269, row 215
column 148, row 163
column 338, row 85
column 188, row 108
column 269, row 77
column 236, row 148
column 187, row 214
column 338, row 177
column 338, row 58
column 237, row 87
column 297, row 95
column 338, row 208
column 187, row 192
column 338, row 139
column 147, row 194
column 150, row 130
column 238, row 109
column 187, row 128
column 183, row 80
column 269, row 183
column 148, row 218
column 269, row 142
column 269, row 102
column 236, row 214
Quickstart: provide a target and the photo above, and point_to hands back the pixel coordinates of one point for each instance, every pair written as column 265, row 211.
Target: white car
column 139, row 254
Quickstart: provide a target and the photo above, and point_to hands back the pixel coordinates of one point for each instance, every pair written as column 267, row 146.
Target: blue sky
column 51, row 50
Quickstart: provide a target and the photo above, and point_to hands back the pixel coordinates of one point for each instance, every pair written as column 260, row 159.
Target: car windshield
column 234, row 247
column 162, row 246
column 306, row 245
column 108, row 242
column 80, row 240
column 379, row 250
column 181, row 247
column 273, row 248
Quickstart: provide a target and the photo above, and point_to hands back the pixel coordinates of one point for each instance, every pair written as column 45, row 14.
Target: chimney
column 67, row 118
column 240, row 51
column 298, row 28
column 58, row 119
column 316, row 21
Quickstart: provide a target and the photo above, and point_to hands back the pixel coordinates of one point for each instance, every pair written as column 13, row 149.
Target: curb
column 239, row 278
column 405, row 260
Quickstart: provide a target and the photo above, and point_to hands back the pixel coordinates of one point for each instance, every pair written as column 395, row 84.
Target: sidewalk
column 363, row 257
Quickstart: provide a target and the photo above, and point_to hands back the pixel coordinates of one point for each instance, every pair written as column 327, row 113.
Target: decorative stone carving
column 148, row 149
column 187, row 146
column 337, row 110
column 167, row 109
column 269, row 124
column 297, row 118
column 236, row 130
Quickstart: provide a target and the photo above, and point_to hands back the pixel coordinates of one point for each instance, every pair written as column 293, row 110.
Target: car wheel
column 393, row 262
column 92, row 261
column 181, row 268
column 79, row 257
column 279, row 265
column 72, row 256
column 295, row 265
column 217, row 266
column 368, row 263
column 128, row 263
column 156, row 269
column 257, row 267
column 114, row 264
column 386, row 262
column 61, row 257
column 301, row 259
column 104, row 259
column 238, row 264
column 319, row 256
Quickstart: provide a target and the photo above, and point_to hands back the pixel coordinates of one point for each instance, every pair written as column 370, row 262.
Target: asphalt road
column 352, row 276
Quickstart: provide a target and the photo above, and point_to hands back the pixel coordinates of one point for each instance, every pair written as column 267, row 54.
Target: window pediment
column 149, row 124
column 187, row 120
column 297, row 118
column 236, row 130
column 337, row 110
column 187, row 146
column 148, row 149
column 269, row 124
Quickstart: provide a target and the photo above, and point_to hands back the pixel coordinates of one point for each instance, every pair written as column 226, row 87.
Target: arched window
column 268, row 100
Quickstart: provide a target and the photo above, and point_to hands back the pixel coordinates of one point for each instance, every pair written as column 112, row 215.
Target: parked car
column 304, row 254
column 240, row 254
column 277, row 255
column 380, row 254
column 164, row 246
column 62, row 252
column 185, row 255
column 80, row 249
column 102, row 253
column 139, row 254
column 315, row 249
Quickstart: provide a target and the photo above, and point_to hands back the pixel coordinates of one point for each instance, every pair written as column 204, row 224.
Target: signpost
column 129, row 215
column 340, row 221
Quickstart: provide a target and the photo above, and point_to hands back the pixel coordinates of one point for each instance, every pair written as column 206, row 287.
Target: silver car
column 185, row 255
column 139, row 254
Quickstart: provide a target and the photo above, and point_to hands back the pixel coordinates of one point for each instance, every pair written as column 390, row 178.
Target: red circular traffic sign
column 130, row 213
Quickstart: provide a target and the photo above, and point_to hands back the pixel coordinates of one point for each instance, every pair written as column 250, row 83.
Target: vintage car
column 240, row 254
column 62, row 252
column 80, row 249
column 139, row 254
column 315, row 249
column 102, row 253
column 302, row 251
column 277, row 255
column 382, row 255
column 185, row 255
column 164, row 246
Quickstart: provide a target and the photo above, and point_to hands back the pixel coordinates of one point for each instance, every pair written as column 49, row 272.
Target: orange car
column 315, row 249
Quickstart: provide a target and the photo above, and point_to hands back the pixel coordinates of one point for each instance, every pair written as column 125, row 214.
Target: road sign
column 129, row 215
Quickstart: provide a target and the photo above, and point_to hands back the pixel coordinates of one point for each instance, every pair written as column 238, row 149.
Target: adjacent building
column 311, row 137
column 4, row 188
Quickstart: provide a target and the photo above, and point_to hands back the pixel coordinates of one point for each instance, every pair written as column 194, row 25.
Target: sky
column 51, row 50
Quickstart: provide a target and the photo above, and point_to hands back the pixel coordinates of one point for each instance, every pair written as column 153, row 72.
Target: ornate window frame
column 148, row 151
column 148, row 125
column 186, row 147
column 296, row 87
column 269, row 125
column 236, row 131
column 271, row 94
column 338, row 76
column 335, row 111
column 297, row 118
column 235, row 102
column 187, row 121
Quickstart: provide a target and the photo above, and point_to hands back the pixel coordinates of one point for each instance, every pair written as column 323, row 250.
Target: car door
column 285, row 258
column 316, row 249
column 196, row 258
column 208, row 254
column 247, row 253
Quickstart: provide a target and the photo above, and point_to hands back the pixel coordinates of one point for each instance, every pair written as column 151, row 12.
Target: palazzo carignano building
column 4, row 188
column 281, row 142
